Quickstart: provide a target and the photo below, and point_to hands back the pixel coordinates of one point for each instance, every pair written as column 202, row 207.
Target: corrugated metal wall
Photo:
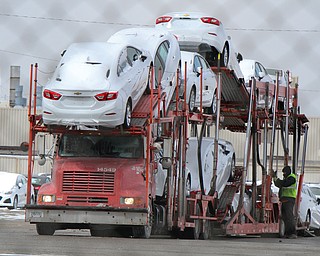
column 14, row 128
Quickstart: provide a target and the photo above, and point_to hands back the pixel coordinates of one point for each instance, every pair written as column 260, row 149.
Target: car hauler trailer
column 122, row 192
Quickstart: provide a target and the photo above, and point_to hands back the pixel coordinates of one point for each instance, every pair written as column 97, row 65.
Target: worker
column 287, row 194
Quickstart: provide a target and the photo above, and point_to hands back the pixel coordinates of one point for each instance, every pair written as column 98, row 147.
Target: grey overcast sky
column 283, row 34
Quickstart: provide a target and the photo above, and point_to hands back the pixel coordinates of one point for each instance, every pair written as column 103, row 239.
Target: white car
column 194, row 63
column 13, row 190
column 254, row 69
column 202, row 33
column 96, row 84
column 315, row 188
column 165, row 52
column 225, row 168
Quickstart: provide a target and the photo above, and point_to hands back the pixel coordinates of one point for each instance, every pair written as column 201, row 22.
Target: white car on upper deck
column 96, row 84
column 165, row 52
column 202, row 33
column 193, row 64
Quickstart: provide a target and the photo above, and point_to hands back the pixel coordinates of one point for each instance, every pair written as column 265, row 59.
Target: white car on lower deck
column 225, row 168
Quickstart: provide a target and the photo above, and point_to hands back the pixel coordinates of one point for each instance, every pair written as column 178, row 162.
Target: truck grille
column 88, row 182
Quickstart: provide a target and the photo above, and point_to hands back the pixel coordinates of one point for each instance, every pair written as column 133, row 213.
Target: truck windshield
column 101, row 146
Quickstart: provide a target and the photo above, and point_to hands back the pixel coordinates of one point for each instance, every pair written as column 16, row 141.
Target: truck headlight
column 130, row 200
column 48, row 198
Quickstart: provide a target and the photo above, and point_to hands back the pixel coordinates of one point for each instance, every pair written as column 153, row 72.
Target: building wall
column 14, row 128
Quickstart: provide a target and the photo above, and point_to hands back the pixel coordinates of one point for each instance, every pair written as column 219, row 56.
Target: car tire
column 14, row 204
column 192, row 100
column 149, row 82
column 127, row 115
column 224, row 60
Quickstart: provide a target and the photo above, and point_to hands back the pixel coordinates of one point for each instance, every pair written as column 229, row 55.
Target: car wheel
column 149, row 82
column 188, row 186
column 192, row 100
column 127, row 115
column 224, row 60
column 233, row 166
column 46, row 229
column 14, row 204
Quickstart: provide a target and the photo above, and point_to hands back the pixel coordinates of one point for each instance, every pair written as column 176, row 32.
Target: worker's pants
column 288, row 216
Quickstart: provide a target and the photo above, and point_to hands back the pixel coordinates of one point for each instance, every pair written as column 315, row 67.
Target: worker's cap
column 286, row 170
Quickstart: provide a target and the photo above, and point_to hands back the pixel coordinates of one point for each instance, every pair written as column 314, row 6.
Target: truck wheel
column 101, row 232
column 47, row 229
column 127, row 115
column 142, row 231
column 282, row 228
column 197, row 230
column 207, row 228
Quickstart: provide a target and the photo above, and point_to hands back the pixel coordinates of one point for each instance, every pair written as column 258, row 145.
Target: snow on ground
column 6, row 214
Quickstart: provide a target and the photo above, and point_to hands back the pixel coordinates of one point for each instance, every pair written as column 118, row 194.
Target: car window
column 160, row 60
column 204, row 63
column 133, row 55
column 196, row 63
column 124, row 64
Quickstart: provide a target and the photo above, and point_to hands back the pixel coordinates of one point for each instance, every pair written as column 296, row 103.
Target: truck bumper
column 85, row 215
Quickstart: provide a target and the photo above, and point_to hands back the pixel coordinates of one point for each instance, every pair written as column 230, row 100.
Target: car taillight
column 163, row 19
column 51, row 95
column 106, row 96
column 210, row 20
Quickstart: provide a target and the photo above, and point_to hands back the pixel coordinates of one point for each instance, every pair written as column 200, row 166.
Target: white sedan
column 13, row 190
column 202, row 33
column 225, row 168
column 96, row 84
column 165, row 52
column 194, row 63
column 254, row 69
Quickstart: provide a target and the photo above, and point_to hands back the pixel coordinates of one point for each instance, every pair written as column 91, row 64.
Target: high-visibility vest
column 290, row 191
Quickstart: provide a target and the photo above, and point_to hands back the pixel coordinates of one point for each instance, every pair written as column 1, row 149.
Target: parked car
column 315, row 188
column 194, row 64
column 13, row 190
column 37, row 181
column 254, row 69
column 225, row 168
column 165, row 52
column 202, row 33
column 96, row 84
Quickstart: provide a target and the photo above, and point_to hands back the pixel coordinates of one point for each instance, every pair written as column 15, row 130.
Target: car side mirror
column 261, row 75
column 20, row 185
column 143, row 57
column 198, row 70
column 318, row 200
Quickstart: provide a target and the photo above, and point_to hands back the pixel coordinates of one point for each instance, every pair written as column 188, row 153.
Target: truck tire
column 46, row 229
column 142, row 231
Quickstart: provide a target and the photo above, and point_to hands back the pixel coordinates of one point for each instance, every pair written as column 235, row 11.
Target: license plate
column 35, row 214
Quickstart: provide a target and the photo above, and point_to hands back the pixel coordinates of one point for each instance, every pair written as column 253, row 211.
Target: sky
column 282, row 34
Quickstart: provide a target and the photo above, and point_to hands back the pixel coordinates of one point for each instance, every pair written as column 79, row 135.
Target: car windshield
column 315, row 190
column 101, row 146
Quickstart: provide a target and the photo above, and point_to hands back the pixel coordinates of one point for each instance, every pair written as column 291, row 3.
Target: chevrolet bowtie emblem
column 77, row 93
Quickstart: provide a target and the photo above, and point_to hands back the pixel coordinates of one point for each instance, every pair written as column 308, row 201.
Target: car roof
column 147, row 38
column 187, row 14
